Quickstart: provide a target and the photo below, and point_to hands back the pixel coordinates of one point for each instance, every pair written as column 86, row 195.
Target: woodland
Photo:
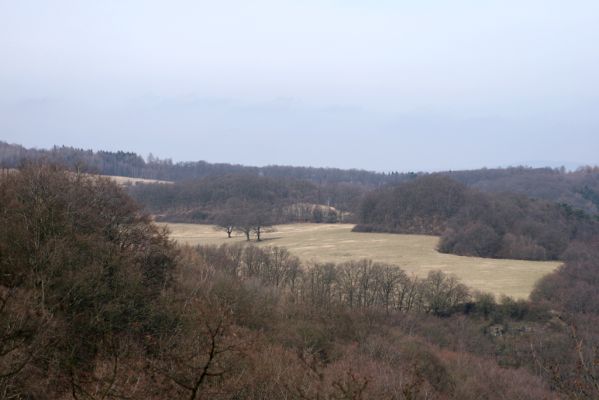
column 97, row 302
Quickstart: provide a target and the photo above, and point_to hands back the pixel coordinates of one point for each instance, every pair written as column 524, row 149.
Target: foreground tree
column 84, row 270
column 204, row 351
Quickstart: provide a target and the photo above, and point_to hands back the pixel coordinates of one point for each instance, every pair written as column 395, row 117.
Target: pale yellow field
column 416, row 254
column 121, row 180
column 125, row 180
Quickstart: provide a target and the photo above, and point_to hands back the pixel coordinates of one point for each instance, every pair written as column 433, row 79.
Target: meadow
column 416, row 254
column 126, row 180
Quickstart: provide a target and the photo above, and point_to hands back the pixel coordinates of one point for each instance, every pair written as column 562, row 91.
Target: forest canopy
column 474, row 223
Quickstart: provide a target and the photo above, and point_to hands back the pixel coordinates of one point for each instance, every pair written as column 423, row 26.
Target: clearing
column 126, row 180
column 415, row 254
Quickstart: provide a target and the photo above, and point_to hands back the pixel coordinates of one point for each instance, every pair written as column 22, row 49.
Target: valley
column 415, row 254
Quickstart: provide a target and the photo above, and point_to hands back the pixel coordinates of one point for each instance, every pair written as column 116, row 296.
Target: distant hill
column 578, row 189
column 130, row 164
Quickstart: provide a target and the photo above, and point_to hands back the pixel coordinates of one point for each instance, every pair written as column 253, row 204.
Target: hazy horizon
column 383, row 86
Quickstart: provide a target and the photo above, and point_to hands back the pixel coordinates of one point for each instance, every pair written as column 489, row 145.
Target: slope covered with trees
column 133, row 165
column 227, row 200
column 96, row 302
column 476, row 223
column 82, row 274
column 579, row 189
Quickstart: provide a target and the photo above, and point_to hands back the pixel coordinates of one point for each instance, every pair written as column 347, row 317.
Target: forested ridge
column 579, row 189
column 97, row 302
column 131, row 164
column 474, row 223
column 218, row 198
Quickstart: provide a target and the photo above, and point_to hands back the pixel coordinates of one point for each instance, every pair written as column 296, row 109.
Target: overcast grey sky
column 376, row 84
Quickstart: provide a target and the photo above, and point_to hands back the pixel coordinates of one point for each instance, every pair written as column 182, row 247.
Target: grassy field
column 121, row 180
column 125, row 180
column 416, row 254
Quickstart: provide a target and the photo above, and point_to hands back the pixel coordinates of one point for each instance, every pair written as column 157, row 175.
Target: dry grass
column 125, row 180
column 414, row 253
column 121, row 180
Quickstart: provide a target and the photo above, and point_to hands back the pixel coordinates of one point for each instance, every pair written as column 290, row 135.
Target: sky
column 374, row 84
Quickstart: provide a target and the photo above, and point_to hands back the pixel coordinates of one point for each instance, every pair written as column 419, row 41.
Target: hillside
column 579, row 189
column 94, row 295
column 476, row 223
